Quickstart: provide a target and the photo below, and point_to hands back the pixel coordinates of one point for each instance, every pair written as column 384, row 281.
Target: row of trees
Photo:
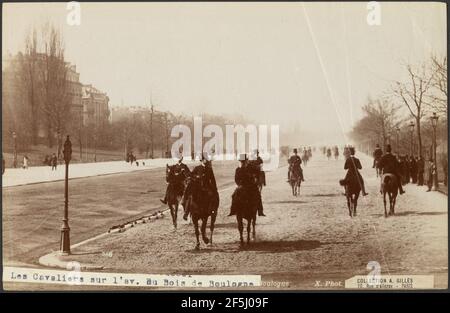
column 408, row 107
column 37, row 91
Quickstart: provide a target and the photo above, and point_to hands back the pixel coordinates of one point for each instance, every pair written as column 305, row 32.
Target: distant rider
column 389, row 164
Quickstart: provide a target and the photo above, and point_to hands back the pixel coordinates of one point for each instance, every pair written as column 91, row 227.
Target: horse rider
column 295, row 162
column 377, row 154
column 184, row 170
column 244, row 178
column 259, row 163
column 206, row 174
column 352, row 165
column 389, row 164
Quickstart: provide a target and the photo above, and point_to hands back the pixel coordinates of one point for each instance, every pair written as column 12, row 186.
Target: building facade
column 95, row 105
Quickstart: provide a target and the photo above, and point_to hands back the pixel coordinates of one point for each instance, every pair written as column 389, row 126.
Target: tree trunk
column 419, row 137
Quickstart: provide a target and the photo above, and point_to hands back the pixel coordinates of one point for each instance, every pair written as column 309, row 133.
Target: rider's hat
column 295, row 150
column 388, row 148
column 243, row 157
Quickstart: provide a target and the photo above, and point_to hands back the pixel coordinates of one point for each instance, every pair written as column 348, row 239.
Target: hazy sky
column 261, row 59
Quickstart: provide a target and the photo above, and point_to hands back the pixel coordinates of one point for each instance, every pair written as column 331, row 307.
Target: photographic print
column 224, row 146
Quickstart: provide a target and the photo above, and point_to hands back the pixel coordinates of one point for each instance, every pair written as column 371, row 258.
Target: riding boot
column 165, row 196
column 363, row 188
column 233, row 201
column 186, row 212
column 400, row 187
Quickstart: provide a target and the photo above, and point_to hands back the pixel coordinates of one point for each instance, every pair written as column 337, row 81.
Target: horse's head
column 172, row 173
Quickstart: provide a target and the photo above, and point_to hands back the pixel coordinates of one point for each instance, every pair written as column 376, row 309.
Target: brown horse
column 295, row 180
column 352, row 189
column 378, row 168
column 246, row 208
column 175, row 190
column 389, row 185
column 202, row 204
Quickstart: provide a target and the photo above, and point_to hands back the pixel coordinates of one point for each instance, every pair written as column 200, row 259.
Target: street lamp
column 65, row 229
column 14, row 135
column 434, row 121
column 411, row 128
column 398, row 135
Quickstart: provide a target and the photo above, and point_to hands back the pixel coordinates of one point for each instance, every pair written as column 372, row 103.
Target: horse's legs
column 349, row 205
column 249, row 225
column 211, row 227
column 384, row 201
column 172, row 213
column 176, row 215
column 390, row 203
column 204, row 222
column 394, row 199
column 254, row 232
column 355, row 204
column 197, row 232
column 240, row 228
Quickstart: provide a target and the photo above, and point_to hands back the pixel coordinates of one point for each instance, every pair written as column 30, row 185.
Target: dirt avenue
column 306, row 242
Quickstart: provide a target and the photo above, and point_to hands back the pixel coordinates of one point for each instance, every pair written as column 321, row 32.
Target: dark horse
column 305, row 158
column 202, row 204
column 352, row 188
column 175, row 190
column 377, row 167
column 246, row 208
column 389, row 185
column 295, row 180
column 260, row 174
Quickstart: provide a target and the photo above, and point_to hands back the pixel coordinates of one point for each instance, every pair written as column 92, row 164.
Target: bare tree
column 30, row 80
column 56, row 97
column 413, row 95
column 378, row 123
column 438, row 98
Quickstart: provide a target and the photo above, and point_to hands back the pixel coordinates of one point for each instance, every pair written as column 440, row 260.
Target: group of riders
column 249, row 178
column 328, row 151
column 387, row 163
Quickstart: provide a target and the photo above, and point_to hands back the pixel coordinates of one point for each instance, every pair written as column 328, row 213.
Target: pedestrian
column 407, row 169
column 431, row 172
column 420, row 171
column 25, row 162
column 413, row 169
column 444, row 163
column 54, row 161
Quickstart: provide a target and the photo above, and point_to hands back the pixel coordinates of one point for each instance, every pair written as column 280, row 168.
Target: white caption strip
column 46, row 276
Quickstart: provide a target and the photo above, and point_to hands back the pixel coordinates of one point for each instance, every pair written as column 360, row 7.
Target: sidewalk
column 41, row 174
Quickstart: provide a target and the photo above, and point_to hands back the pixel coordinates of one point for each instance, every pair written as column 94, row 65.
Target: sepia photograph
column 224, row 146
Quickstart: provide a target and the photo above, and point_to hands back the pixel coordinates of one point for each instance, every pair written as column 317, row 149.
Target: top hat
column 243, row 157
column 295, row 150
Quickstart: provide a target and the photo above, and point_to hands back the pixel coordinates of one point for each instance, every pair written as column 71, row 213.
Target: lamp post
column 14, row 135
column 411, row 129
column 397, row 139
column 434, row 121
column 65, row 229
